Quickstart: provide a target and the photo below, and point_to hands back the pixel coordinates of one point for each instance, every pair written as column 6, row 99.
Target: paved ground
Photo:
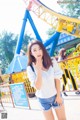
column 72, row 106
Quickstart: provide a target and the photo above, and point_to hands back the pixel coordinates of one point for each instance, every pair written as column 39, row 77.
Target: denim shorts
column 47, row 103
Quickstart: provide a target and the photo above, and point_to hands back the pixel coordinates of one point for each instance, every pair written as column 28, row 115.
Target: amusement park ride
column 62, row 24
column 16, row 72
column 67, row 29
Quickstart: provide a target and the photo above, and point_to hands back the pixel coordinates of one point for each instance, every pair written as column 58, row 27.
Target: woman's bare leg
column 48, row 115
column 60, row 112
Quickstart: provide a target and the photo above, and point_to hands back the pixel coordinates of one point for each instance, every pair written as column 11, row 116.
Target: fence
column 14, row 94
column 71, row 70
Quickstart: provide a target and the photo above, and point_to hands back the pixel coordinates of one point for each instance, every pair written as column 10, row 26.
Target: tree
column 71, row 8
column 8, row 43
column 7, row 47
column 26, row 40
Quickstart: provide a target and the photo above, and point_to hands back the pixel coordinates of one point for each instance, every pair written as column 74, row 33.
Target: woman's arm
column 57, row 75
column 38, row 81
column 57, row 83
column 38, row 67
column 58, row 99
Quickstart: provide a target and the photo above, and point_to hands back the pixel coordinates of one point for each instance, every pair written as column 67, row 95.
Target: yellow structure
column 22, row 77
column 72, row 65
column 70, row 27
column 64, row 24
column 75, row 53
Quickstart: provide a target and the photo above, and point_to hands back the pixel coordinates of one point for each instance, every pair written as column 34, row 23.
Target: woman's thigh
column 48, row 114
column 60, row 112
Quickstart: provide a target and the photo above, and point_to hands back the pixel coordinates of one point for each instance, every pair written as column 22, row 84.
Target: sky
column 11, row 18
column 12, row 14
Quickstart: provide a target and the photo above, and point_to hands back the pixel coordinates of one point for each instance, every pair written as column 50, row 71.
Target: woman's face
column 36, row 51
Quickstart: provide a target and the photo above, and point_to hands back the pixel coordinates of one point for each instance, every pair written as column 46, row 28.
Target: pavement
column 72, row 108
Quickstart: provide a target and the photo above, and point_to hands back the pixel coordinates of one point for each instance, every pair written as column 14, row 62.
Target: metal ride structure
column 62, row 23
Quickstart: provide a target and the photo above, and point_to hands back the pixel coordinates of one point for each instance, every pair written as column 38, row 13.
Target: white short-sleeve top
column 48, row 88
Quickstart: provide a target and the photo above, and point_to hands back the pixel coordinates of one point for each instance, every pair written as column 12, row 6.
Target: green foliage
column 69, row 51
column 7, row 47
column 8, row 43
column 71, row 7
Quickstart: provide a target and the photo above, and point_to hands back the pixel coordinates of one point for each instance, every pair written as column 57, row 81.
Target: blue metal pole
column 54, row 44
column 54, row 37
column 20, row 40
column 34, row 27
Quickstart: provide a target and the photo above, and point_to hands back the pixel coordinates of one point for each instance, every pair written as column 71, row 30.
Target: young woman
column 46, row 79
column 62, row 54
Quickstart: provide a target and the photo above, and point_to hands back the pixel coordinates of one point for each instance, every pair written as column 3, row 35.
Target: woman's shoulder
column 28, row 67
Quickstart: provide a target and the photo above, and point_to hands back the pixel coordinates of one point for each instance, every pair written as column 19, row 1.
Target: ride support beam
column 20, row 40
column 34, row 27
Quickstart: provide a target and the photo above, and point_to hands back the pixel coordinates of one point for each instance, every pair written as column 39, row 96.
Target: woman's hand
column 38, row 67
column 59, row 100
column 38, row 64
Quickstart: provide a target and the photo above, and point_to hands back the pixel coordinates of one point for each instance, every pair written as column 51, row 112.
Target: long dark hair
column 47, row 62
column 61, row 53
